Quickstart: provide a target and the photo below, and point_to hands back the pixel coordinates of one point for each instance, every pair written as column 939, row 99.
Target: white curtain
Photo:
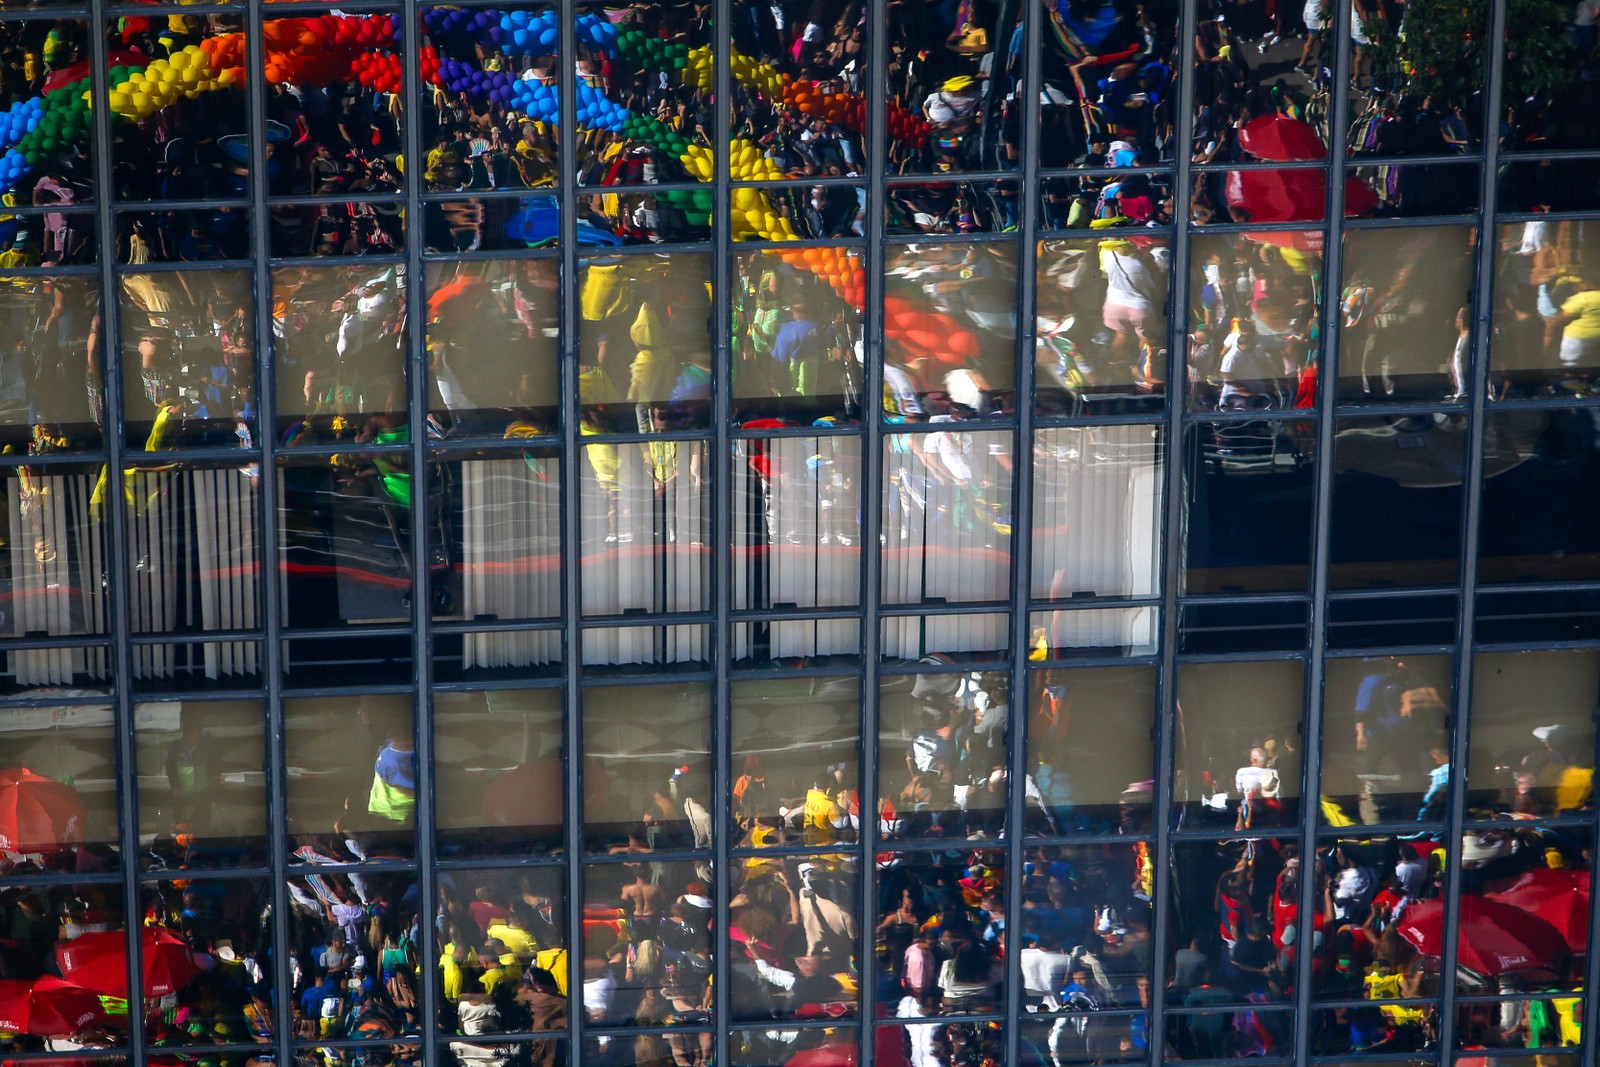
column 1096, row 526
column 194, row 560
column 54, row 588
column 946, row 536
column 510, row 557
column 644, row 547
column 797, row 540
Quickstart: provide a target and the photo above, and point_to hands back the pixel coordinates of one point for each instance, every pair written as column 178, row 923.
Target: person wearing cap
column 954, row 105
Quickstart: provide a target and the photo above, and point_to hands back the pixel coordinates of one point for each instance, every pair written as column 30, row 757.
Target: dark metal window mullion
column 117, row 569
column 1022, row 519
column 1165, row 727
column 1309, row 903
column 571, row 524
column 416, row 357
column 721, row 586
column 872, row 508
column 1473, row 492
column 268, row 594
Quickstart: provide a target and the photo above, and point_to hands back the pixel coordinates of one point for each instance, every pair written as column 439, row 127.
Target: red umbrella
column 1290, row 195
column 38, row 814
column 99, row 961
column 1560, row 898
column 48, row 1007
column 1280, row 138
column 1495, row 938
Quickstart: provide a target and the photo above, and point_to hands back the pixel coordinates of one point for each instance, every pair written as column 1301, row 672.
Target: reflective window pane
column 1118, row 200
column 188, row 360
column 1407, row 469
column 797, row 337
column 202, row 782
column 498, row 772
column 51, row 160
column 56, row 563
column 644, row 343
column 1092, row 632
column 52, row 396
column 1250, row 498
column 949, row 110
column 1108, row 97
column 503, row 963
column 942, row 932
column 947, row 497
column 1255, row 309
column 59, row 769
column 644, row 527
column 1228, row 949
column 1406, row 314
column 796, row 643
column 942, row 752
column 922, row 638
column 356, row 801
column 950, row 323
column 1539, row 467
column 780, row 972
column 1547, row 310
column 652, row 780
column 352, row 951
column 647, row 948
column 345, row 549
column 496, row 554
column 1096, row 512
column 194, row 560
column 1091, row 750
column 506, row 307
column 487, row 70
column 797, row 524
column 1386, row 739
column 333, row 104
column 210, row 958
column 1238, row 753
column 796, row 750
column 339, row 341
column 1102, row 325
column 1532, row 733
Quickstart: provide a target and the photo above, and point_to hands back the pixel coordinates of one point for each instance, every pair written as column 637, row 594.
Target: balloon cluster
column 843, row 109
column 41, row 128
column 651, row 53
column 465, row 24
column 754, row 218
column 839, row 267
column 322, row 50
column 21, row 119
column 747, row 163
column 522, row 33
column 912, row 332
column 184, row 74
column 379, row 71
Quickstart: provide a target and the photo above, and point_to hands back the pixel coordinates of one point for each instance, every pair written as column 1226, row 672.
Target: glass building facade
column 851, row 532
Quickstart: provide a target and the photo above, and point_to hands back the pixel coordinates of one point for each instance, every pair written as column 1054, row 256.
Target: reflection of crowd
column 1547, row 315
column 1375, row 936
column 1253, row 327
column 220, row 929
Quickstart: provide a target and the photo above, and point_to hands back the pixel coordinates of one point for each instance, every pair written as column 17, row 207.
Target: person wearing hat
column 954, row 106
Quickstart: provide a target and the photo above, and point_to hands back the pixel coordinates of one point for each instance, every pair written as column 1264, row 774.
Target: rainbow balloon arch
column 365, row 49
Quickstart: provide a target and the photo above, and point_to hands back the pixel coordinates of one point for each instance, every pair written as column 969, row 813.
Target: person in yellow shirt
column 1580, row 327
column 821, row 817
column 516, row 940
